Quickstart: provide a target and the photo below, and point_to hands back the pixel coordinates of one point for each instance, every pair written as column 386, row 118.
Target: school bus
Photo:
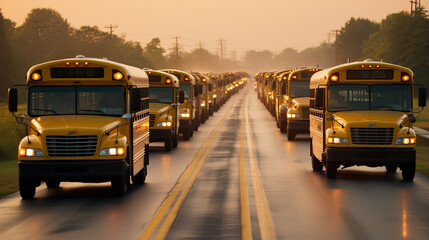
column 294, row 101
column 88, row 121
column 189, row 118
column 362, row 114
column 164, row 104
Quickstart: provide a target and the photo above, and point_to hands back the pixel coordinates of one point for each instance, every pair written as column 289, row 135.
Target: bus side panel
column 316, row 133
column 140, row 139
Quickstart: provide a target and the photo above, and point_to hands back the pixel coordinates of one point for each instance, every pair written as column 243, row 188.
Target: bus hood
column 365, row 119
column 158, row 108
column 301, row 102
column 71, row 125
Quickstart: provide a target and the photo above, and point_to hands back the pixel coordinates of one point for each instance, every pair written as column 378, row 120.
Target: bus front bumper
column 160, row 135
column 299, row 126
column 72, row 171
column 373, row 157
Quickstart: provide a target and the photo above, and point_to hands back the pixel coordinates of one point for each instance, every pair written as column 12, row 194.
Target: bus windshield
column 77, row 100
column 369, row 97
column 299, row 89
column 186, row 88
column 161, row 95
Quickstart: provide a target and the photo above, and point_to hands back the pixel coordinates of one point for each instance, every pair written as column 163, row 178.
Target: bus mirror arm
column 332, row 118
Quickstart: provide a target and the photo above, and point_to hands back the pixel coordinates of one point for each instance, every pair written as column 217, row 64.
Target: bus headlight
column 214, row 96
column 405, row 141
column 113, row 151
column 30, row 152
column 338, row 140
column 164, row 124
column 203, row 104
column 293, row 115
column 185, row 115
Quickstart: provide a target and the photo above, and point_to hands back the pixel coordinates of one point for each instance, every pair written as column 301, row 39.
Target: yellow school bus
column 88, row 121
column 362, row 114
column 164, row 101
column 189, row 119
column 294, row 101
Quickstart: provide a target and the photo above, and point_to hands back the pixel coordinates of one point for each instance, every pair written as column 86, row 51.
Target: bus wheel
column 119, row 183
column 391, row 168
column 331, row 170
column 53, row 183
column 283, row 125
column 315, row 163
column 168, row 143
column 27, row 188
column 290, row 134
column 191, row 131
column 186, row 133
column 409, row 171
column 140, row 177
column 175, row 140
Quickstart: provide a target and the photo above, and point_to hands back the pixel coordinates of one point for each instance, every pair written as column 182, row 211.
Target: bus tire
column 391, row 168
column 331, row 170
column 409, row 171
column 140, row 177
column 119, row 183
column 175, row 140
column 27, row 188
column 186, row 133
column 283, row 126
column 191, row 131
column 53, row 183
column 168, row 143
column 290, row 134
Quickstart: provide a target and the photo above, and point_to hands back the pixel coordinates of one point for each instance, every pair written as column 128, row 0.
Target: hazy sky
column 242, row 24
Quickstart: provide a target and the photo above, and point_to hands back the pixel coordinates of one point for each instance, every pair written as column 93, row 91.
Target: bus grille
column 71, row 146
column 305, row 112
column 369, row 136
column 152, row 118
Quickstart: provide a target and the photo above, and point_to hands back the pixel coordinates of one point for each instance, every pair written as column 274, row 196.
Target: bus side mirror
column 13, row 99
column 200, row 89
column 273, row 86
column 210, row 87
column 196, row 90
column 181, row 96
column 284, row 88
column 135, row 100
column 319, row 98
column 422, row 97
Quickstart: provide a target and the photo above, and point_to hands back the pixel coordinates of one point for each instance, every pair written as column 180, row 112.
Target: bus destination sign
column 375, row 74
column 77, row 72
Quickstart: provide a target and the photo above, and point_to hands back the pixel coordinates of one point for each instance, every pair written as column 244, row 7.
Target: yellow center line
column 266, row 226
column 246, row 227
column 194, row 169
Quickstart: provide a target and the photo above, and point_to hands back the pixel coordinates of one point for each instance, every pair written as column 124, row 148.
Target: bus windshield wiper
column 91, row 110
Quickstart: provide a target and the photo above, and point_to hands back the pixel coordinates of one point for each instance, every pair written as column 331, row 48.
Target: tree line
column 45, row 35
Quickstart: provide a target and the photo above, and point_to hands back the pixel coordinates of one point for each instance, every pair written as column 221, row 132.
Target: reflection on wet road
column 238, row 177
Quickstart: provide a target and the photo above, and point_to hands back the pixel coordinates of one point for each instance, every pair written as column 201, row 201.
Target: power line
column 111, row 27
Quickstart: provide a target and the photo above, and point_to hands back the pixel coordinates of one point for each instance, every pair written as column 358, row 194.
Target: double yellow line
column 170, row 207
column 182, row 187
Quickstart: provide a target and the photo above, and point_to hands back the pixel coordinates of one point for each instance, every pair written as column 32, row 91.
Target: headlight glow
column 30, row 152
column 164, row 124
column 185, row 115
column 405, row 141
column 338, row 140
column 292, row 115
column 113, row 151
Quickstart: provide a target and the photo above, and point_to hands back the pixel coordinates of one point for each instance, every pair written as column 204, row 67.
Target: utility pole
column 221, row 45
column 111, row 27
column 335, row 43
column 176, row 49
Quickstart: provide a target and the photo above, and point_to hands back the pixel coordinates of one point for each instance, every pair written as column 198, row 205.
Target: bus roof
column 322, row 77
column 164, row 76
column 131, row 75
column 181, row 73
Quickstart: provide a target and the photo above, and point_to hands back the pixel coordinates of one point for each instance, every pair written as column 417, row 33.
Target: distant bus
column 362, row 114
column 88, row 121
column 165, row 99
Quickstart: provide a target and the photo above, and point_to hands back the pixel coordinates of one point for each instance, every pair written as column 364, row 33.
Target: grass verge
column 8, row 177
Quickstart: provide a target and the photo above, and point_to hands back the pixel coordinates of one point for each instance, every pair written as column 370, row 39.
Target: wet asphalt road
column 238, row 177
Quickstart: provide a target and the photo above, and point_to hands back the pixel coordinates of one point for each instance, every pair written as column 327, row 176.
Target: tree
column 350, row 38
column 155, row 53
column 7, row 66
column 259, row 60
